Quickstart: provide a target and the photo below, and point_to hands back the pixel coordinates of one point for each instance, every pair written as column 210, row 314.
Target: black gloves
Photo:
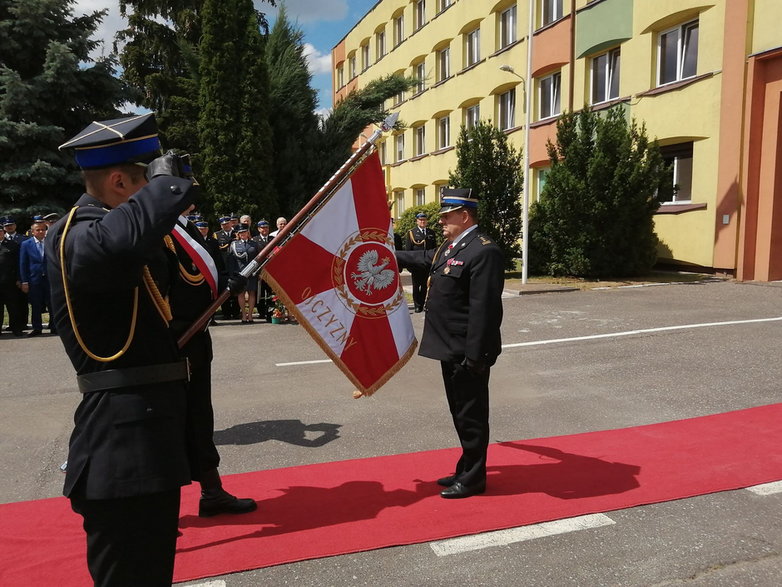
column 237, row 284
column 170, row 164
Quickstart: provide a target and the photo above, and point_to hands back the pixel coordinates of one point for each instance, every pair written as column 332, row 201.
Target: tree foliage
column 233, row 125
column 594, row 217
column 49, row 90
column 491, row 166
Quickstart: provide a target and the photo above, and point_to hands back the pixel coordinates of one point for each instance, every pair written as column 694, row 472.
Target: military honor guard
column 265, row 293
column 108, row 264
column 224, row 237
column 420, row 238
column 10, row 295
column 462, row 329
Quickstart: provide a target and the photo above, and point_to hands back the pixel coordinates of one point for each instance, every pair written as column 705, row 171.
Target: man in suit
column 32, row 275
column 225, row 236
column 127, row 455
column 462, row 329
column 420, row 238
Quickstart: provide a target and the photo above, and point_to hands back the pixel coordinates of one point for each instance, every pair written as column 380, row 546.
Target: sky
column 324, row 23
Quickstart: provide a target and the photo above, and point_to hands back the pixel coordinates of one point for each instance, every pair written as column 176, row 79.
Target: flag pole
column 254, row 266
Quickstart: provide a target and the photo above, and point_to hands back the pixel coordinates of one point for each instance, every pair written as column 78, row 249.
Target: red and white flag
column 338, row 275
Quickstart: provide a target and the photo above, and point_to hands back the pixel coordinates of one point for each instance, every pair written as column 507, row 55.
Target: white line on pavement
column 520, row 534
column 766, row 488
column 218, row 583
column 302, row 363
column 644, row 331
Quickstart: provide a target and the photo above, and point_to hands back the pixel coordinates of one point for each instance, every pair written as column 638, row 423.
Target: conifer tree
column 233, row 126
column 49, row 90
column 491, row 166
column 594, row 217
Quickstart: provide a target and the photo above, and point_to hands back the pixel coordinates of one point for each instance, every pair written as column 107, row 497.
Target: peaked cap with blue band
column 133, row 139
column 454, row 198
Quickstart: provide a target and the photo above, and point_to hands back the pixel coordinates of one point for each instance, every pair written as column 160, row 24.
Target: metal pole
column 528, row 118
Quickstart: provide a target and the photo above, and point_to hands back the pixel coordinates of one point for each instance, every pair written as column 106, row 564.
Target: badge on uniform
column 454, row 262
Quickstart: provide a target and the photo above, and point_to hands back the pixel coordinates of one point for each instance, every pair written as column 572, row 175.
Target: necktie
column 40, row 248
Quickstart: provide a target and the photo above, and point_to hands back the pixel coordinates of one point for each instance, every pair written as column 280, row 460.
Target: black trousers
column 131, row 541
column 15, row 302
column 200, row 421
column 419, row 279
column 468, row 400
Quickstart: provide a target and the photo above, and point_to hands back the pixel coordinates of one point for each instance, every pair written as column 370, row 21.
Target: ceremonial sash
column 199, row 255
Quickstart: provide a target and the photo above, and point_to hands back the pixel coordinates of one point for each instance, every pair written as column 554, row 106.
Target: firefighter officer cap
column 133, row 139
column 452, row 199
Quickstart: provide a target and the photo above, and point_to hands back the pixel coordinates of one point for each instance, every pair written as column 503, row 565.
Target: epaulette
column 485, row 241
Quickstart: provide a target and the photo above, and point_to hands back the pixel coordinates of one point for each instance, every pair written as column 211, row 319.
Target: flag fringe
column 291, row 306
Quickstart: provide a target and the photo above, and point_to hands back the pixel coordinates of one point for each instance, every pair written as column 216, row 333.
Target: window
column 443, row 4
column 420, row 14
column 679, row 157
column 444, row 132
column 471, row 116
column 443, row 64
column 340, row 77
column 472, row 47
column 399, row 29
column 383, row 158
column 420, row 196
column 677, row 57
column 352, row 66
column 508, row 27
column 364, row 57
column 605, row 77
column 399, row 198
column 420, row 75
column 380, row 46
column 551, row 10
column 549, row 95
column 399, row 145
column 507, row 107
column 542, row 177
column 420, row 140
column 399, row 98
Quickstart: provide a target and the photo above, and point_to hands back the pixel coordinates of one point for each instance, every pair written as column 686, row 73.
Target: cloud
column 106, row 30
column 308, row 11
column 318, row 62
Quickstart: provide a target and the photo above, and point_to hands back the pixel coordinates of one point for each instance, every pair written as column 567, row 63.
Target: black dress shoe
column 35, row 333
column 447, row 481
column 217, row 502
column 459, row 491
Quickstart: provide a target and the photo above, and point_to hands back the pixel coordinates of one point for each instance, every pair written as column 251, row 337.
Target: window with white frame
column 443, row 64
column 420, row 196
column 677, row 53
column 472, row 47
column 380, row 45
column 352, row 66
column 508, row 27
column 419, row 135
column 472, row 115
column 399, row 199
column 506, row 109
column 340, row 77
column 420, row 14
column 549, row 96
column 420, row 76
column 399, row 147
column 364, row 57
column 605, row 76
column 399, row 98
column 443, row 132
column 443, row 4
column 399, row 29
column 383, row 156
column 542, row 176
column 550, row 10
column 679, row 157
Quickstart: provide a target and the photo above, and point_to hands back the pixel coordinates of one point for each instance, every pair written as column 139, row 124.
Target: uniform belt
column 132, row 376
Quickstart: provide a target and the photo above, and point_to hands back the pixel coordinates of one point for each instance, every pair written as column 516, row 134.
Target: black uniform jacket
column 129, row 441
column 416, row 240
column 463, row 304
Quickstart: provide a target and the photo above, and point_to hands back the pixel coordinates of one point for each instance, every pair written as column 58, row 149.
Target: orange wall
column 551, row 47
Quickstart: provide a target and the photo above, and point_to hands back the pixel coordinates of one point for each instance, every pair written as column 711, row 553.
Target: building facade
column 704, row 77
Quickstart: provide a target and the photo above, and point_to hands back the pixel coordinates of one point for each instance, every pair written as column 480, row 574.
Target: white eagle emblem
column 371, row 275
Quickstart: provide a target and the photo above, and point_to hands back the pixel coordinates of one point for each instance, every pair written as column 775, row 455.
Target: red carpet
column 335, row 508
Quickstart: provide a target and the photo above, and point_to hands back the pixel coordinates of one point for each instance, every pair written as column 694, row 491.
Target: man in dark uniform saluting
column 420, row 238
column 110, row 274
column 462, row 329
